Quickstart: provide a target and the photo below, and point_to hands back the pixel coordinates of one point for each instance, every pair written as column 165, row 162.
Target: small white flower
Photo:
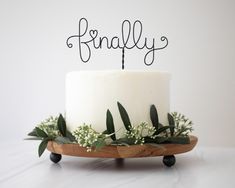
column 49, row 126
column 139, row 132
column 88, row 137
column 183, row 126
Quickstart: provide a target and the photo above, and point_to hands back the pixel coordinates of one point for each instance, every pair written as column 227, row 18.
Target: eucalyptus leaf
column 42, row 147
column 61, row 124
column 110, row 125
column 154, row 116
column 172, row 123
column 40, row 133
column 124, row 116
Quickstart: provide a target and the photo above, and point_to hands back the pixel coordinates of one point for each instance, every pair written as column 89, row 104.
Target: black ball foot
column 55, row 157
column 169, row 160
column 119, row 162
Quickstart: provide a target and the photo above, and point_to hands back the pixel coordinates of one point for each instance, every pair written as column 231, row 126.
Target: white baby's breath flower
column 88, row 137
column 183, row 126
column 49, row 126
column 139, row 132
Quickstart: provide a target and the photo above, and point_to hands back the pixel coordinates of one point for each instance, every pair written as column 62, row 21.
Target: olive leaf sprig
column 176, row 132
column 51, row 129
column 182, row 125
column 54, row 129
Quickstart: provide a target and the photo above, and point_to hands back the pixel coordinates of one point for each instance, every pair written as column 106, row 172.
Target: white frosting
column 90, row 93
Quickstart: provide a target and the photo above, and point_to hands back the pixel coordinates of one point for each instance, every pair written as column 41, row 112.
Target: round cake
column 90, row 93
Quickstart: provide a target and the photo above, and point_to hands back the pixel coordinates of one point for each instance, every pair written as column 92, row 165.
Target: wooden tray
column 146, row 150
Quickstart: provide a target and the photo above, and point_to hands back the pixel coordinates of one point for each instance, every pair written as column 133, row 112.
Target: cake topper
column 87, row 38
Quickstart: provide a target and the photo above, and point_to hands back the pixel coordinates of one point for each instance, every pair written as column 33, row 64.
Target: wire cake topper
column 125, row 42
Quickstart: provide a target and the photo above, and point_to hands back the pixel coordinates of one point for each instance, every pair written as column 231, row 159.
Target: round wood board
column 133, row 151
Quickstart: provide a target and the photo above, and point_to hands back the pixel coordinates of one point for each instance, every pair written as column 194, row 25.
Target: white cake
column 90, row 93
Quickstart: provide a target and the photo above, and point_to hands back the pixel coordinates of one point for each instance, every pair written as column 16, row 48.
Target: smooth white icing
column 90, row 93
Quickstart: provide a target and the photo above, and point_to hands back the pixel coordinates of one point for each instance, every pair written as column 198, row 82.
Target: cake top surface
column 122, row 72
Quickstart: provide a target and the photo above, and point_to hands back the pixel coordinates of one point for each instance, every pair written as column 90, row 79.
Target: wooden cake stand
column 121, row 152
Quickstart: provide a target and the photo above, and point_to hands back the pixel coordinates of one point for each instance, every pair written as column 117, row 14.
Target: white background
column 34, row 58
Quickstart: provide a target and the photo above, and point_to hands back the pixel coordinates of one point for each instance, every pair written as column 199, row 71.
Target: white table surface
column 202, row 167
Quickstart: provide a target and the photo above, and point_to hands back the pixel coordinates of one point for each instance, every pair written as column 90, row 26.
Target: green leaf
column 160, row 125
column 179, row 140
column 110, row 125
column 157, row 140
column 149, row 140
column 105, row 132
column 161, row 139
column 61, row 125
column 122, row 141
column 172, row 123
column 70, row 136
column 33, row 133
column 183, row 130
column 124, row 116
column 42, row 147
column 170, row 119
column 154, row 116
column 40, row 133
column 99, row 144
column 62, row 140
column 33, row 138
column 162, row 129
column 168, row 140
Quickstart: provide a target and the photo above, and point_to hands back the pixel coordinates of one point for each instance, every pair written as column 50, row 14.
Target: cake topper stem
column 123, row 58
